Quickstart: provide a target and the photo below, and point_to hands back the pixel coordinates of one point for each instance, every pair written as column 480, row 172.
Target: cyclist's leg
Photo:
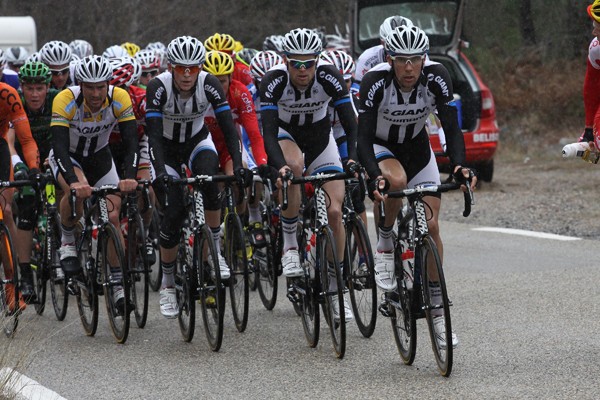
column 26, row 221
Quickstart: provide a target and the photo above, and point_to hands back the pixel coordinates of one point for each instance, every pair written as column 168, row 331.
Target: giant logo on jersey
column 330, row 78
column 372, row 90
column 92, row 130
column 441, row 82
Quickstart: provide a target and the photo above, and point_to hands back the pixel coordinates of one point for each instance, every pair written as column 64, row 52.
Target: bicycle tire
column 236, row 256
column 404, row 324
column 155, row 270
column 137, row 265
column 119, row 319
column 443, row 356
column 361, row 277
column 58, row 283
column 266, row 270
column 211, row 289
column 87, row 284
column 39, row 267
column 9, row 319
column 185, row 278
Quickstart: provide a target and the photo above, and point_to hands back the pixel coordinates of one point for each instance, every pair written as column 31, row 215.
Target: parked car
column 442, row 21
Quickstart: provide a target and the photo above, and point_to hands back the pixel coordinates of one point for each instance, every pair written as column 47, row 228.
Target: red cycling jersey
column 242, row 73
column 242, row 109
column 138, row 100
column 11, row 110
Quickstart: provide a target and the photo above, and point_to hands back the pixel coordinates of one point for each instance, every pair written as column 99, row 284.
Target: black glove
column 266, row 172
column 33, row 173
column 588, row 135
column 374, row 187
column 352, row 167
column 161, row 183
column 21, row 172
column 460, row 178
column 243, row 176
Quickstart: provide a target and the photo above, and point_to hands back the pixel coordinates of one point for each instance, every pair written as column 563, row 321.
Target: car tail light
column 487, row 104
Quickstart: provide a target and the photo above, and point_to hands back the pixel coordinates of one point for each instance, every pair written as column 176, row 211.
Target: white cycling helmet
column 94, row 69
column 137, row 72
column 56, row 53
column 407, row 40
column 16, row 56
column 391, row 23
column 273, row 43
column 81, row 48
column 302, row 41
column 341, row 60
column 148, row 59
column 2, row 59
column 33, row 57
column 186, row 50
column 115, row 51
column 264, row 61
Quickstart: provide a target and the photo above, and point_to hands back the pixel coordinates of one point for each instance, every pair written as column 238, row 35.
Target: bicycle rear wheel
column 185, row 278
column 58, row 283
column 265, row 264
column 436, row 306
column 235, row 254
column 211, row 289
column 137, row 265
column 116, row 282
column 332, row 285
column 361, row 278
column 86, row 285
column 9, row 295
column 155, row 271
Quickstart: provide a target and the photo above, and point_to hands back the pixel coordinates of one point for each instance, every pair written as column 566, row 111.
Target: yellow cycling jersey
column 89, row 132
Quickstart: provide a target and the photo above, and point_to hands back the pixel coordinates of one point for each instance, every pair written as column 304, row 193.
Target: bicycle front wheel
column 235, row 254
column 437, row 305
column 137, row 265
column 155, row 271
column 58, row 283
column 86, row 285
column 116, row 282
column 361, row 277
column 40, row 264
column 185, row 278
column 9, row 295
column 211, row 289
column 332, row 289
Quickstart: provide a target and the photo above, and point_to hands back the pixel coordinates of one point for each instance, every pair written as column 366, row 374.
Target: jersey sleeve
column 122, row 105
column 591, row 83
column 18, row 117
column 371, row 95
column 247, row 118
column 271, row 90
column 63, row 108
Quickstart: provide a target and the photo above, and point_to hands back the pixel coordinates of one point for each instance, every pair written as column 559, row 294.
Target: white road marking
column 521, row 232
column 20, row 387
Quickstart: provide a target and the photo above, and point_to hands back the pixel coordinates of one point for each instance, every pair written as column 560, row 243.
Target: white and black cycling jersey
column 368, row 59
column 182, row 118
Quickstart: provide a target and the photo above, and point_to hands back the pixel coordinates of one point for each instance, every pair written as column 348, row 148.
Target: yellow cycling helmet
column 218, row 63
column 594, row 10
column 220, row 42
column 238, row 46
column 131, row 48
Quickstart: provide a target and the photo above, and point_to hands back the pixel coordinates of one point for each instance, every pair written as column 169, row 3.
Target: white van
column 18, row 31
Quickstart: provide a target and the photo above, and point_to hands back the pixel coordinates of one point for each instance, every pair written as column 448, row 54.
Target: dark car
column 442, row 21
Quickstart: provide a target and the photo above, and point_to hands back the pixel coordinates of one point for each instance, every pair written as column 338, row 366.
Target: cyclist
column 81, row 48
column 57, row 56
column 294, row 99
column 591, row 84
column 36, row 98
column 376, row 54
column 220, row 64
column 123, row 77
column 12, row 112
column 149, row 61
column 225, row 43
column 83, row 117
column 7, row 76
column 176, row 102
column 396, row 99
column 15, row 57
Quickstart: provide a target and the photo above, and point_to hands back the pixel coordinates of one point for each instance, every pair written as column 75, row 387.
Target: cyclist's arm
column 156, row 97
column 371, row 94
column 128, row 129
column 247, row 118
column 60, row 145
column 20, row 122
column 271, row 89
column 591, row 84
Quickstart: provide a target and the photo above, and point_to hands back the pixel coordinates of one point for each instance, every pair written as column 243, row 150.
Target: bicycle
column 155, row 271
column 9, row 272
column 104, row 267
column 358, row 262
column 413, row 299
column 198, row 276
column 321, row 267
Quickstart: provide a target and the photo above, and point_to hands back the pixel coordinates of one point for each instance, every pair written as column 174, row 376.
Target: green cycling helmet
column 35, row 72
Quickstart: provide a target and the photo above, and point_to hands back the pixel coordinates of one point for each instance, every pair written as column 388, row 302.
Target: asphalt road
column 525, row 311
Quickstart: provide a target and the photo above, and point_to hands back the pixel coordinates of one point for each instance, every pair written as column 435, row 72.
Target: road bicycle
column 421, row 288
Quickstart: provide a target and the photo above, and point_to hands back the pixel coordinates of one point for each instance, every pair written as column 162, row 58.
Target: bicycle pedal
column 384, row 309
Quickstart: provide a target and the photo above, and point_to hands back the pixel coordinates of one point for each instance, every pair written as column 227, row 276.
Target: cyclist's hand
column 161, row 183
column 376, row 188
column 243, row 176
column 587, row 135
column 21, row 172
column 82, row 190
column 265, row 171
column 127, row 185
column 353, row 168
column 34, row 173
column 463, row 175
column 285, row 172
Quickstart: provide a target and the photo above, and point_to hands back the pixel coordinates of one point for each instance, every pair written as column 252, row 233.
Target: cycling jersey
column 11, row 78
column 591, row 84
column 242, row 73
column 338, row 130
column 39, row 121
column 389, row 116
column 242, row 109
column 303, row 113
column 11, row 111
column 88, row 133
column 368, row 59
column 173, row 120
column 138, row 102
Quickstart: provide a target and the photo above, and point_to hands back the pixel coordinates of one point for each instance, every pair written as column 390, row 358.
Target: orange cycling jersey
column 12, row 111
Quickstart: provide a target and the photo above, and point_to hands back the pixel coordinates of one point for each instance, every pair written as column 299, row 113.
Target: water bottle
column 581, row 149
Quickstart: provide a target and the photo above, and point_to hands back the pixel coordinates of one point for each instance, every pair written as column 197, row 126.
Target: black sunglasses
column 57, row 72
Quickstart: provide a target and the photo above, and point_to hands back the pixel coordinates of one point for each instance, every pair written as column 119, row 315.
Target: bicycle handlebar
column 444, row 187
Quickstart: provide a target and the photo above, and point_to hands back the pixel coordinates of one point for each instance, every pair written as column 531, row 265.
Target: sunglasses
column 297, row 64
column 405, row 60
column 150, row 74
column 57, row 72
column 186, row 69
